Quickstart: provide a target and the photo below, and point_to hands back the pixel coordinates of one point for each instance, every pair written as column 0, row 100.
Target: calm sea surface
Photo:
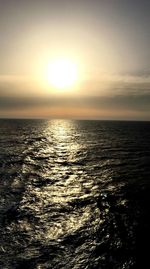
column 74, row 194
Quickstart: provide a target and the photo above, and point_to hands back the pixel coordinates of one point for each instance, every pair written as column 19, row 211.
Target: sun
column 62, row 73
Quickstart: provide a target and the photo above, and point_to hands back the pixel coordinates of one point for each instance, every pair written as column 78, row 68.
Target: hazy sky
column 108, row 39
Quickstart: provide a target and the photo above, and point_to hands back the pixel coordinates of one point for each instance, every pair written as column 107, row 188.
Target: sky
column 108, row 40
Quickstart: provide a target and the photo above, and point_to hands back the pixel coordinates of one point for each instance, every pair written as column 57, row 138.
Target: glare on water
column 72, row 195
column 65, row 183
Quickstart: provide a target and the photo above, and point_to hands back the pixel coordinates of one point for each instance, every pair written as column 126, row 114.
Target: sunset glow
column 75, row 59
column 62, row 73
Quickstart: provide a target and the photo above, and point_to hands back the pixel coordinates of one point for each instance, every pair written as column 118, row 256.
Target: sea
column 74, row 194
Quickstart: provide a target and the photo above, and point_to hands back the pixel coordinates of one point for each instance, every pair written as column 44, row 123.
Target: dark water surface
column 74, row 194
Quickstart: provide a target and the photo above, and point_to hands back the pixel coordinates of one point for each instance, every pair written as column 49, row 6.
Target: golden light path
column 62, row 73
column 65, row 186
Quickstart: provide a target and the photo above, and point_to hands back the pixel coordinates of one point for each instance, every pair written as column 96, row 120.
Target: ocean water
column 74, row 194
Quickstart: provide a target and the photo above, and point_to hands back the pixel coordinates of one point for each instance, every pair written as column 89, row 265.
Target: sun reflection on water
column 56, row 190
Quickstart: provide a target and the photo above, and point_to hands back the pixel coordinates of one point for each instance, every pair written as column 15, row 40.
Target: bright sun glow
column 62, row 73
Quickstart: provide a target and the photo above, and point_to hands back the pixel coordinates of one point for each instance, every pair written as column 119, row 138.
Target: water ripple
column 73, row 194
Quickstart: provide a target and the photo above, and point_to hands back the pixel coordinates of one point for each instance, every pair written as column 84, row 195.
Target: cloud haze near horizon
column 111, row 40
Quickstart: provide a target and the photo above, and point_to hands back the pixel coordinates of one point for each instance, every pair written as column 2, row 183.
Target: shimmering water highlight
column 74, row 194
